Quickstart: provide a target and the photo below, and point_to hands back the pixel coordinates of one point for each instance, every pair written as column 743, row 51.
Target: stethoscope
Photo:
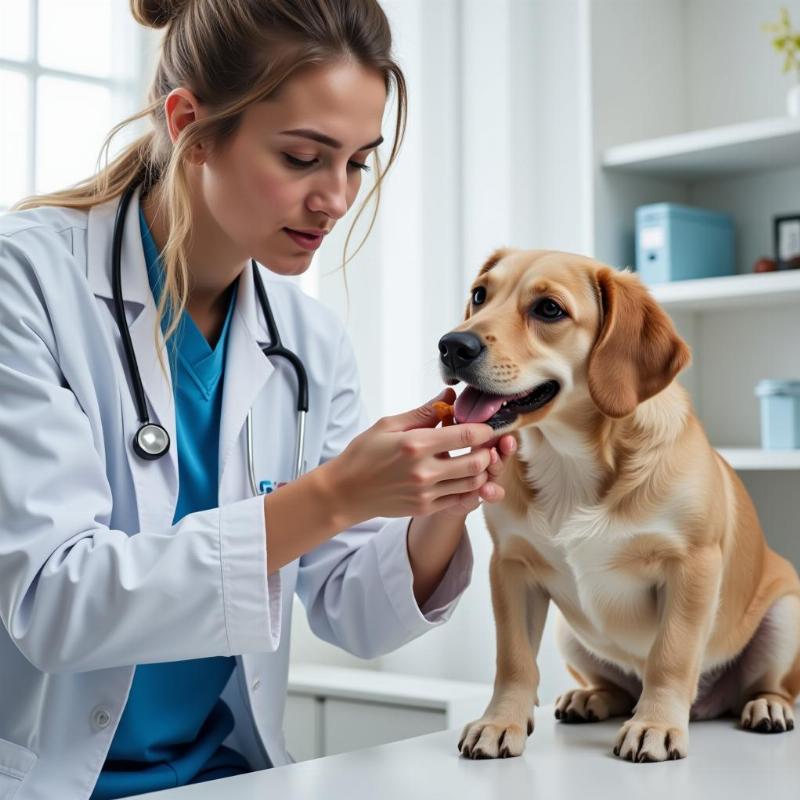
column 151, row 441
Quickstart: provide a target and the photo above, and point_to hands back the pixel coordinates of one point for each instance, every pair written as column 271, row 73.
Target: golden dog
column 619, row 511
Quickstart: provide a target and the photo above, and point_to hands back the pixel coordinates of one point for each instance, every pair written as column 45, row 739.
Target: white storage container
column 780, row 414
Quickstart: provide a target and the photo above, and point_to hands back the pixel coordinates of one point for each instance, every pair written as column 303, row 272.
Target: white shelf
column 765, row 288
column 764, row 144
column 746, row 458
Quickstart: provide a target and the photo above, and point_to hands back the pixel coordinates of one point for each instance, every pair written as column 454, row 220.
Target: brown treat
column 444, row 411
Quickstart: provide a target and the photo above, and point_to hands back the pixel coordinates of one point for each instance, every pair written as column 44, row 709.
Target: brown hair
column 230, row 54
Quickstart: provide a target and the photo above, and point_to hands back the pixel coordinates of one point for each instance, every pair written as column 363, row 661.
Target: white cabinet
column 302, row 726
column 333, row 710
column 352, row 724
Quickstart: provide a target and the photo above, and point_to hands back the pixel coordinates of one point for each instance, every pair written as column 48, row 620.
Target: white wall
column 736, row 75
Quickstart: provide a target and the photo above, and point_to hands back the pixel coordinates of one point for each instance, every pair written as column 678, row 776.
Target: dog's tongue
column 473, row 405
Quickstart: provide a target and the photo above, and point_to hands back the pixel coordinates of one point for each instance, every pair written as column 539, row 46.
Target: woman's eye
column 548, row 310
column 299, row 162
column 478, row 296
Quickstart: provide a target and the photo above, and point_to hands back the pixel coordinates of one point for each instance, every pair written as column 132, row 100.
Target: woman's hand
column 500, row 450
column 401, row 467
column 433, row 540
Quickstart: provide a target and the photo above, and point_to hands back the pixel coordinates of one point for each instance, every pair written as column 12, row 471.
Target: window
column 69, row 71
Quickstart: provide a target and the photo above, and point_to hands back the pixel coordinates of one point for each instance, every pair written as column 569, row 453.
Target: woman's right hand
column 401, row 466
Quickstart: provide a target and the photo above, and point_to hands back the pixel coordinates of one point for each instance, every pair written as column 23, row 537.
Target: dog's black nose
column 460, row 349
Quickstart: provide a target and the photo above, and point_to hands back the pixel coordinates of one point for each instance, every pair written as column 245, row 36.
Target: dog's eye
column 547, row 310
column 478, row 296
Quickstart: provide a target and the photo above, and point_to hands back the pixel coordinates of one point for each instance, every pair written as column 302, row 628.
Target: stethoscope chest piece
column 151, row 441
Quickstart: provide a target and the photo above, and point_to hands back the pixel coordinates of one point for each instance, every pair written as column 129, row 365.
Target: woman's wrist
column 432, row 542
column 305, row 513
column 336, row 496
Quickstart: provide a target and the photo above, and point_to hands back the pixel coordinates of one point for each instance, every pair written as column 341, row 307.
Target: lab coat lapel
column 152, row 478
column 246, row 372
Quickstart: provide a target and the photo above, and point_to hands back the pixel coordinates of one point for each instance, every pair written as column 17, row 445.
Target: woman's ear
column 181, row 107
column 637, row 352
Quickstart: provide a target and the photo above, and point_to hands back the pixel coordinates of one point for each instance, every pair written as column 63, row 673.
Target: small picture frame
column 787, row 241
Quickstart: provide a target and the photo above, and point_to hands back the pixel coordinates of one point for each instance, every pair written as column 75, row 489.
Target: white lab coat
column 94, row 578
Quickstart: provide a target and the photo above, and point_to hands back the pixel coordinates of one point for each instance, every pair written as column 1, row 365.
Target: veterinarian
column 155, row 382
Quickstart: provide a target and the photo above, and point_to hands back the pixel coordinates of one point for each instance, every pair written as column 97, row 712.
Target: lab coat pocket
column 15, row 763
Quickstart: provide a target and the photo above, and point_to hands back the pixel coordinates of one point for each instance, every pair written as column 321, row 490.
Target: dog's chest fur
column 611, row 603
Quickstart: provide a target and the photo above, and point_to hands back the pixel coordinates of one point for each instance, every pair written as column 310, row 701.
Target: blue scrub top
column 174, row 721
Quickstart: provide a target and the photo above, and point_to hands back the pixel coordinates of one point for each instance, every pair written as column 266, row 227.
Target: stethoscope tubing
column 122, row 322
column 151, row 440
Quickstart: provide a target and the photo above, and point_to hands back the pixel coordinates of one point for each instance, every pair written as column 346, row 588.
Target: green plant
column 786, row 41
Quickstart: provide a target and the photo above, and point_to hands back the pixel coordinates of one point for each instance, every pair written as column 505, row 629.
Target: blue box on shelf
column 678, row 243
column 780, row 414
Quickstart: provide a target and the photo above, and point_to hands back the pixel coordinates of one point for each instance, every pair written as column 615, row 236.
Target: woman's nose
column 330, row 196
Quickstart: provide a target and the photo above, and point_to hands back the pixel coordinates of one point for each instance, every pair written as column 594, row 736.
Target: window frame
column 128, row 92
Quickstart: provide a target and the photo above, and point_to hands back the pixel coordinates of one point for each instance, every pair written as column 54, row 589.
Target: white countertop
column 560, row 761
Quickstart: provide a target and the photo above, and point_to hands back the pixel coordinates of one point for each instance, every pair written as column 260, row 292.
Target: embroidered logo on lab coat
column 266, row 487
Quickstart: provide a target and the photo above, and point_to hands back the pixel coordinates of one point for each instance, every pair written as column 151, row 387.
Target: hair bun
column 156, row 13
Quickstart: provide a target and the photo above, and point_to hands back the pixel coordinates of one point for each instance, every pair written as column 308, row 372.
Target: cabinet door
column 301, row 725
column 351, row 724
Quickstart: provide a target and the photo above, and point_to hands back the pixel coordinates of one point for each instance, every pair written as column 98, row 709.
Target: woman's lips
column 305, row 240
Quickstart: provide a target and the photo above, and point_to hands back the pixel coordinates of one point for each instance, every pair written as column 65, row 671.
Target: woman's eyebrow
column 327, row 140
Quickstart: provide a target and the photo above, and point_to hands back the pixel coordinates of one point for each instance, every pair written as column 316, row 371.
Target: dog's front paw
column 492, row 737
column 643, row 740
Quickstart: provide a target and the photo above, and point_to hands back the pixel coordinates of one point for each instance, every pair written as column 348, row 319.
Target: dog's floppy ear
column 500, row 252
column 638, row 352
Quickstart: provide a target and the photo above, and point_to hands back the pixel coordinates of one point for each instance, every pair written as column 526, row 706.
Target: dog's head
column 545, row 329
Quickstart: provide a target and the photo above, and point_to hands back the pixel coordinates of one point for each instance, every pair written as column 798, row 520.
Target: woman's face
column 295, row 164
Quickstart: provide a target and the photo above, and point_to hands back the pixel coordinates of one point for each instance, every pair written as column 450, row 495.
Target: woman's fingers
column 433, row 441
column 462, row 503
column 461, row 485
column 492, row 492
column 507, row 445
column 495, row 468
column 492, row 460
column 457, row 483
column 464, row 466
column 504, row 449
column 485, row 481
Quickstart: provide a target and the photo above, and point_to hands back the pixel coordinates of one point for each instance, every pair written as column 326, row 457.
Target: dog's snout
column 460, row 349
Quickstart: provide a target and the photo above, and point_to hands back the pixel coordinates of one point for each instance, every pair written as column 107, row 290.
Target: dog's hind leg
column 605, row 691
column 773, row 682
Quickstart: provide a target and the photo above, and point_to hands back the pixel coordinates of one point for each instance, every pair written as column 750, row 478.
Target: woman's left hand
column 501, row 450
column 491, row 491
column 433, row 539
